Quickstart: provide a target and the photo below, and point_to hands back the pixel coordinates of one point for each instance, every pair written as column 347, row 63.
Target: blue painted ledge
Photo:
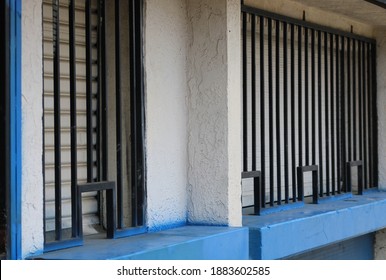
column 299, row 230
column 183, row 243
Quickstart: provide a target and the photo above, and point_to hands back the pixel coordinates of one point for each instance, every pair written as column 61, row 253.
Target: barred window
column 309, row 112
column 93, row 120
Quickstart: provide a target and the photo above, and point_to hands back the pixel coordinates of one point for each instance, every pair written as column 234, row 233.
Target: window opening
column 93, row 120
column 309, row 104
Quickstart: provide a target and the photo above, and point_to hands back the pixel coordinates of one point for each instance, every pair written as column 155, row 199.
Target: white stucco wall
column 214, row 112
column 381, row 94
column 165, row 54
column 32, row 88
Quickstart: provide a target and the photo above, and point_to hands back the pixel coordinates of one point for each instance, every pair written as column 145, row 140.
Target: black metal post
column 57, row 126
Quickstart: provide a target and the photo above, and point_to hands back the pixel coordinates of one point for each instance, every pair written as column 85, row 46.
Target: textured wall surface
column 381, row 83
column 166, row 112
column 32, row 88
column 214, row 155
column 380, row 245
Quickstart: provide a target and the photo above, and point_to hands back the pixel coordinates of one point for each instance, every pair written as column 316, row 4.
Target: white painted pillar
column 214, row 104
column 32, row 112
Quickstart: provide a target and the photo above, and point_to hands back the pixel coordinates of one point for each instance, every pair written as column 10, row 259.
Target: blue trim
column 284, row 234
column 15, row 128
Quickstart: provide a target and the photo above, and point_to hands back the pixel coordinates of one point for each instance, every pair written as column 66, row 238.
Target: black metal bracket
column 109, row 187
column 257, row 199
column 310, row 168
column 349, row 166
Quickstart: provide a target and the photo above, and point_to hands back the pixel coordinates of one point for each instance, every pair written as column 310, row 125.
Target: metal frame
column 330, row 100
column 300, row 173
column 349, row 166
column 114, row 203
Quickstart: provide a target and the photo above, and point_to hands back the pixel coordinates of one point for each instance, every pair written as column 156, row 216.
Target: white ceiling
column 359, row 10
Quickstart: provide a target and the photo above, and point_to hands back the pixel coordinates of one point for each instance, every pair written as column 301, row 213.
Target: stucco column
column 381, row 93
column 214, row 141
column 32, row 138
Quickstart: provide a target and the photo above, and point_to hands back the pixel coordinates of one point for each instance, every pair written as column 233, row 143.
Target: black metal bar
column 363, row 104
column 306, row 24
column 89, row 93
column 57, row 137
column 286, row 117
column 262, row 111
column 137, row 113
column 104, row 91
column 326, row 115
column 332, row 95
column 338, row 125
column 300, row 107
column 245, row 100
column 343, row 111
column 118, row 113
column 320, row 123
column 354, row 99
column 277, row 102
column 369, row 120
column 306, row 92
column 349, row 112
column 313, row 97
column 99, row 94
column 253, row 90
column 374, row 114
column 293, row 143
column 74, row 160
column 360, row 98
column 270, row 105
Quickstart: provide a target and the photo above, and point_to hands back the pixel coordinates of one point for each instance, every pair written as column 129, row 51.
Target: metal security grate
column 93, row 119
column 309, row 104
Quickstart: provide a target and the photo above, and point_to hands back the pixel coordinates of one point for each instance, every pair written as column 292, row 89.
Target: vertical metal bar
column 118, row 114
column 104, row 91
column 360, row 98
column 253, row 90
column 99, row 95
column 74, row 160
column 320, row 123
column 343, row 111
column 374, row 115
column 326, row 115
column 332, row 95
column 349, row 113
column 89, row 93
column 133, row 105
column 57, row 137
column 293, row 143
column 367, row 162
column 262, row 111
column 338, row 115
column 277, row 102
column 306, row 92
column 354, row 100
column 286, row 117
column 270, row 105
column 363, row 104
column 137, row 112
column 313, row 97
column 300, row 107
column 245, row 100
